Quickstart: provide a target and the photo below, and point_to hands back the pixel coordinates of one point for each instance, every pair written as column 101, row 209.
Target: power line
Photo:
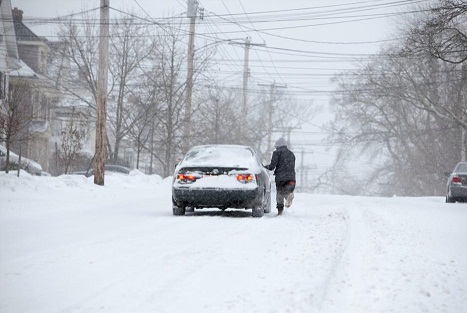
column 346, row 7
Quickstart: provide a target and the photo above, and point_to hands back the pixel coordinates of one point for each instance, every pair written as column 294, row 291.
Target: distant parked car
column 28, row 165
column 456, row 188
column 109, row 170
column 221, row 176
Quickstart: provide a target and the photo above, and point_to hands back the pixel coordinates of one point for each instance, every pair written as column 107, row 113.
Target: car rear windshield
column 219, row 156
column 462, row 168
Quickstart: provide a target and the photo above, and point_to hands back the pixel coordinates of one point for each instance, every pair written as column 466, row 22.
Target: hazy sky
column 307, row 41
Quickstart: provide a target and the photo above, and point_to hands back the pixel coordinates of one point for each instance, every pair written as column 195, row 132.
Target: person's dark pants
column 283, row 189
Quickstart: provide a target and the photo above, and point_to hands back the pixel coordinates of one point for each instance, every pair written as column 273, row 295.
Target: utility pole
column 463, row 118
column 302, row 169
column 246, row 74
column 102, row 77
column 273, row 87
column 192, row 9
column 246, row 71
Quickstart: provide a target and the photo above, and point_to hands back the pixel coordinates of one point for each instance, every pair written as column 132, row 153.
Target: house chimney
column 17, row 15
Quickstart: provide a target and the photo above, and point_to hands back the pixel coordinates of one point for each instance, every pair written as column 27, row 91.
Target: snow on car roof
column 220, row 155
column 15, row 158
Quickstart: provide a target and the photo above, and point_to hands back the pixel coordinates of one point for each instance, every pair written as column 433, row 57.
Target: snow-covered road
column 67, row 245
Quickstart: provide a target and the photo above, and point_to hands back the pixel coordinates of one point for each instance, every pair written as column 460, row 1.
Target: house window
column 43, row 107
column 56, row 127
column 35, row 103
column 39, row 104
column 3, row 86
column 43, row 62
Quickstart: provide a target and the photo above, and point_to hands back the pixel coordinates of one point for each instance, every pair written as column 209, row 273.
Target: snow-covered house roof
column 23, row 33
column 22, row 70
column 32, row 49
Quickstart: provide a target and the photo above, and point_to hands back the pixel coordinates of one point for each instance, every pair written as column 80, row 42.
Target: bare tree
column 73, row 136
column 274, row 114
column 168, row 87
column 140, row 131
column 165, row 91
column 441, row 32
column 129, row 49
column 75, row 61
column 218, row 120
column 407, row 107
column 16, row 115
column 149, row 76
column 395, row 107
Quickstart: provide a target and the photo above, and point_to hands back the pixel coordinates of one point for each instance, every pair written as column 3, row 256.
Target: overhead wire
column 269, row 55
column 333, row 6
column 221, row 41
column 154, row 21
column 268, row 50
column 321, row 57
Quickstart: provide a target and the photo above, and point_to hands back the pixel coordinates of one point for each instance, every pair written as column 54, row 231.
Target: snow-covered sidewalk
column 67, row 245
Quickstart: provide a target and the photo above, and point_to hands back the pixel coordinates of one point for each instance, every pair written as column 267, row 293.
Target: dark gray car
column 456, row 188
column 109, row 170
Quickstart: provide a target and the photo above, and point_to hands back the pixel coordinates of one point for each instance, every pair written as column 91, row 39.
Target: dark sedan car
column 456, row 189
column 221, row 176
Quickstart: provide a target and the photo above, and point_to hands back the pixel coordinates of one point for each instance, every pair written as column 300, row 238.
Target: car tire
column 178, row 210
column 448, row 198
column 257, row 212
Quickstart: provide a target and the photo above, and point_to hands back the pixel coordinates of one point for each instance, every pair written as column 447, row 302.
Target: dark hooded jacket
column 283, row 164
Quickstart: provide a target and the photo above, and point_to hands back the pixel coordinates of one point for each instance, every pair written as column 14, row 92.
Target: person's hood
column 280, row 142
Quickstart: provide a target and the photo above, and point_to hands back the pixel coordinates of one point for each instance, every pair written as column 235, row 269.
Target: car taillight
column 456, row 180
column 246, row 178
column 187, row 178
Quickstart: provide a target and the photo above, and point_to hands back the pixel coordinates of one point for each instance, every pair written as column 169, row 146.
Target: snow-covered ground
column 67, row 245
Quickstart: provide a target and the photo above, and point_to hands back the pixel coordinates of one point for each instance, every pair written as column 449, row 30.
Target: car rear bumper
column 458, row 191
column 217, row 197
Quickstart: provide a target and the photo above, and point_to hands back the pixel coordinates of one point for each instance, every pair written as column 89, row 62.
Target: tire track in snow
column 326, row 240
column 234, row 265
column 386, row 265
column 341, row 240
column 284, row 265
column 355, row 278
column 345, row 270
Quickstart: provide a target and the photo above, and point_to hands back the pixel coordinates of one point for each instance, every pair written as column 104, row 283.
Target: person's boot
column 289, row 200
column 280, row 209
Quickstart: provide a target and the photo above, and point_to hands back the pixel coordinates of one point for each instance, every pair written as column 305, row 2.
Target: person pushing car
column 283, row 164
